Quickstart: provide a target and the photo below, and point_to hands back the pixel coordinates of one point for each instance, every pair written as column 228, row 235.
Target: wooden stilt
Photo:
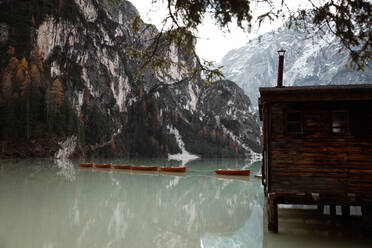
column 345, row 210
column 272, row 213
column 321, row 209
column 3, row 144
column 332, row 210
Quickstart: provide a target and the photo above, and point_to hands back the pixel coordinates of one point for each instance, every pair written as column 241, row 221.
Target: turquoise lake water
column 50, row 205
column 43, row 205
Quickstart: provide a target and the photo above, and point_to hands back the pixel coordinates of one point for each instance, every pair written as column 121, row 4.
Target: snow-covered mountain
column 309, row 60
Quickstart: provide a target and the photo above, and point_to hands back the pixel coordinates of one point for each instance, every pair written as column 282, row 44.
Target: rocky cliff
column 66, row 72
column 311, row 59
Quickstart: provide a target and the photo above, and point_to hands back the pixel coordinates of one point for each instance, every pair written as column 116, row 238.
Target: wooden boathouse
column 317, row 147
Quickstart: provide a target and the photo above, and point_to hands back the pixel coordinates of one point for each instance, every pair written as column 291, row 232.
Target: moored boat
column 87, row 165
column 233, row 172
column 122, row 166
column 173, row 169
column 144, row 167
column 103, row 166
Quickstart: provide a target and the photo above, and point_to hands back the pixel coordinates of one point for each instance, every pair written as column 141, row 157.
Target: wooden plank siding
column 318, row 160
column 317, row 147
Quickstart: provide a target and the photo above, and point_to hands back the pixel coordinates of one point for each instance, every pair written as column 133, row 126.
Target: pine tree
column 6, row 86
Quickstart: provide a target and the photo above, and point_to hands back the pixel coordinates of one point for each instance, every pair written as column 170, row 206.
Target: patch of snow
column 67, row 148
column 184, row 156
column 61, row 158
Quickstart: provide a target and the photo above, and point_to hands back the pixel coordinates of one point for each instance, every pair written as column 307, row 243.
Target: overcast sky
column 213, row 43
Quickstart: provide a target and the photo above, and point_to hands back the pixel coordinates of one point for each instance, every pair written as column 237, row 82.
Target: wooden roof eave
column 316, row 93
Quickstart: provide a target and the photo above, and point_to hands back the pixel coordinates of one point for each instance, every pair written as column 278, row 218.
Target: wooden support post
column 3, row 145
column 345, row 210
column 367, row 218
column 272, row 213
column 321, row 209
column 332, row 210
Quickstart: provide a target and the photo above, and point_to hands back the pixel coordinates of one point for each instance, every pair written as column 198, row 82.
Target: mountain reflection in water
column 57, row 206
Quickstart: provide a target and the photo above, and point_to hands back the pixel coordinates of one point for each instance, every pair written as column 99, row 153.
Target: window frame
column 346, row 126
column 301, row 123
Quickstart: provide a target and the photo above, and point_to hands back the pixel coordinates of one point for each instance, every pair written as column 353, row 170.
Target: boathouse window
column 339, row 121
column 294, row 123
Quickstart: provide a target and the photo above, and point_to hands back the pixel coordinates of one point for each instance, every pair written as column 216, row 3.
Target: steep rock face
column 230, row 109
column 308, row 61
column 83, row 44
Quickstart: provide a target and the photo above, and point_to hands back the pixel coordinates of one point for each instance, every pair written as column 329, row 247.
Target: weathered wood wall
column 318, row 160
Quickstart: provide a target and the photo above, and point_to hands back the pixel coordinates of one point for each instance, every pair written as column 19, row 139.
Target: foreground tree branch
column 348, row 20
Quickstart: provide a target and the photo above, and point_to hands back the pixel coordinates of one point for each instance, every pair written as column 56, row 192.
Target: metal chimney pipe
column 280, row 67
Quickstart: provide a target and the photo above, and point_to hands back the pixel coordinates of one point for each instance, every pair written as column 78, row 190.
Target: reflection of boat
column 123, row 166
column 87, row 165
column 233, row 172
column 173, row 174
column 230, row 177
column 144, row 172
column 104, row 166
column 144, row 168
column 173, row 169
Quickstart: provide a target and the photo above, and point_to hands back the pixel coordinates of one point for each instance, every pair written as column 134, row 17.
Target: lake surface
column 48, row 205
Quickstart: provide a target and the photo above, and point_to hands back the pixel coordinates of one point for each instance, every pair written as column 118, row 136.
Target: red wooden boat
column 233, row 172
column 87, row 165
column 103, row 166
column 122, row 166
column 173, row 169
column 144, row 167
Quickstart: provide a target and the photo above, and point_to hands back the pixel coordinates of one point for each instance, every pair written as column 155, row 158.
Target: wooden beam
column 272, row 213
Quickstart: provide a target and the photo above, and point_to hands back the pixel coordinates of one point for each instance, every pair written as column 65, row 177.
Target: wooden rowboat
column 87, row 165
column 233, row 172
column 145, row 168
column 258, row 176
column 173, row 169
column 122, row 166
column 104, row 166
